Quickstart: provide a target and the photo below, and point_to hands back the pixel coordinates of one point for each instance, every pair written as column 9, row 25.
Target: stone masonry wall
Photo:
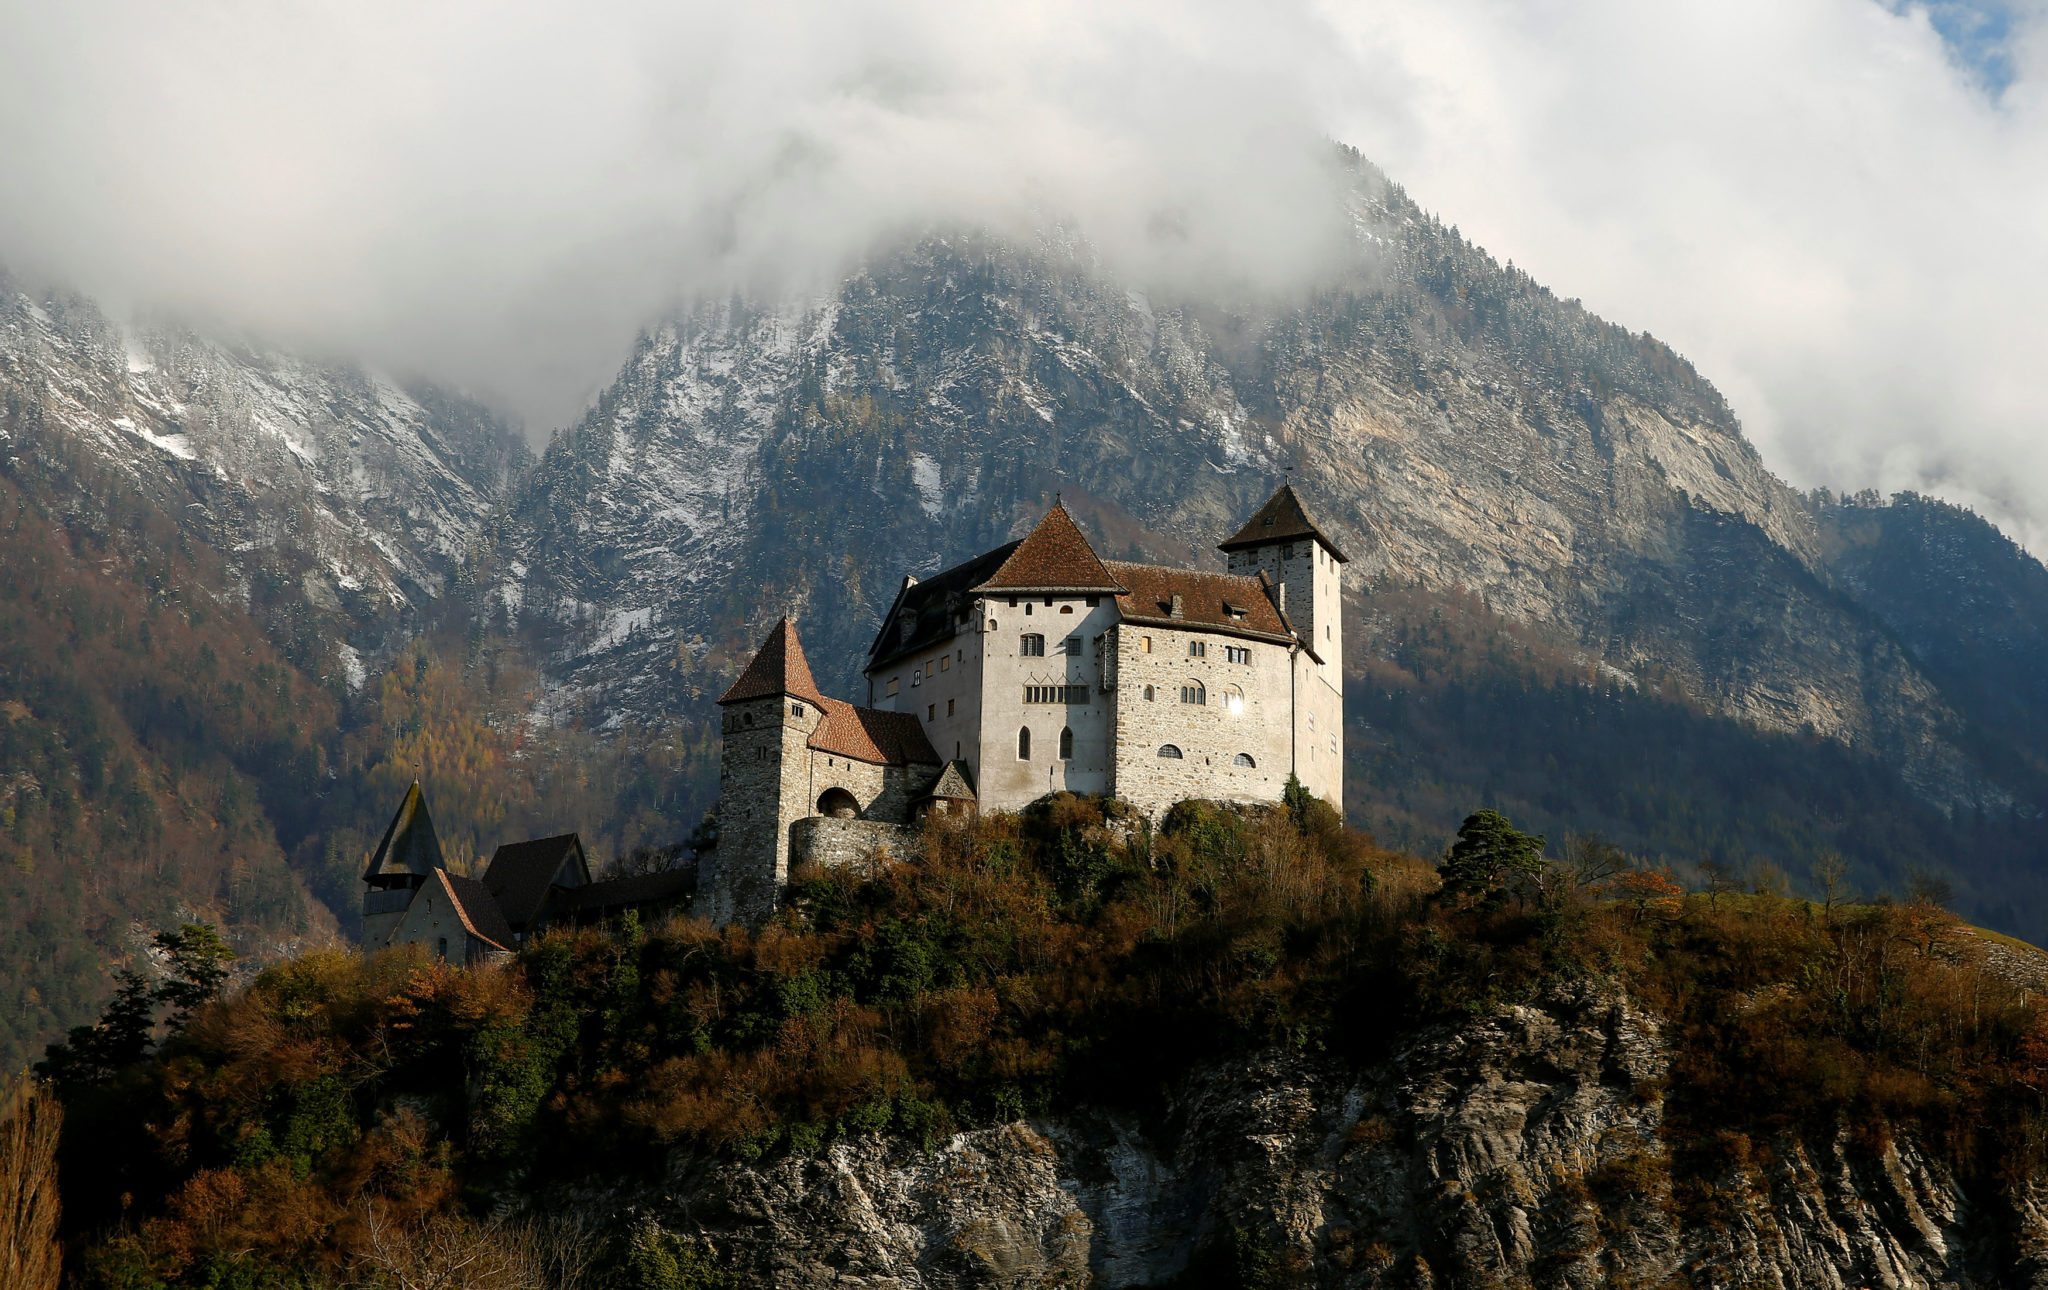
column 1209, row 735
column 828, row 843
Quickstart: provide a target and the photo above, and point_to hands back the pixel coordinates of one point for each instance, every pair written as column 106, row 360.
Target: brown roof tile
column 778, row 667
column 1053, row 557
column 1207, row 599
column 1283, row 518
column 871, row 735
column 479, row 913
column 521, row 874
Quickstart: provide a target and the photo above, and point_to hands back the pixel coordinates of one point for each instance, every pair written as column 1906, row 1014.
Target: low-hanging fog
column 1837, row 208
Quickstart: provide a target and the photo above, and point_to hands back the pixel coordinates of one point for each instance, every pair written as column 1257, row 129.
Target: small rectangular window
column 891, row 687
column 949, row 707
column 1145, row 644
column 1073, row 646
column 945, row 662
column 931, row 712
column 1031, row 645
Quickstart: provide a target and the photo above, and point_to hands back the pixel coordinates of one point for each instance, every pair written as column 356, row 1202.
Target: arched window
column 1066, row 609
column 1148, row 694
column 1031, row 645
column 1067, row 744
column 1233, row 699
column 1244, row 759
column 1024, row 744
column 1192, row 692
column 1169, row 750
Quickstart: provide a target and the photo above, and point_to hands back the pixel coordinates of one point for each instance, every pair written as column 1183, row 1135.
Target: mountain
column 1577, row 595
column 1560, row 539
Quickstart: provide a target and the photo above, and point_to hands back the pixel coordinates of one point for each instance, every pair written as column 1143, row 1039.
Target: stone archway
column 838, row 804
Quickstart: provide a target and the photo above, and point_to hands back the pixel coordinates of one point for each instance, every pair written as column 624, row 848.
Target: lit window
column 945, row 662
column 1244, row 759
column 1198, row 649
column 1233, row 699
column 1024, row 744
column 1066, row 744
column 1193, row 692
column 891, row 687
column 1168, row 750
column 1031, row 645
column 1145, row 644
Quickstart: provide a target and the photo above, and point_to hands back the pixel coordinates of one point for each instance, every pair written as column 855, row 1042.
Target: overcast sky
column 1837, row 208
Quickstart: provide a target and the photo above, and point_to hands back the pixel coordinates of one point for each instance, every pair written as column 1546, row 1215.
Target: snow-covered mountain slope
column 338, row 498
column 1465, row 430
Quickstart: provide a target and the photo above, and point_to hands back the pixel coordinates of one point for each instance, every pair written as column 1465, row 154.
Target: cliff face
column 1462, row 429
column 1524, row 1149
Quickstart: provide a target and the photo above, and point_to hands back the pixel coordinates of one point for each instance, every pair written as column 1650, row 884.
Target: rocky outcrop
column 1524, row 1149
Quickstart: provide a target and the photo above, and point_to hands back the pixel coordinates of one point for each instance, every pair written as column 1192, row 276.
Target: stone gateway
column 1035, row 668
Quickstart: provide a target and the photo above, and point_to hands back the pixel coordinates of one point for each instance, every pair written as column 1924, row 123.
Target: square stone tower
column 768, row 717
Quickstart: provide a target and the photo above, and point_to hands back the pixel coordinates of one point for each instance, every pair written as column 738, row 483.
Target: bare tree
column 442, row 1252
column 29, row 1123
column 1831, row 875
column 1592, row 859
column 1720, row 879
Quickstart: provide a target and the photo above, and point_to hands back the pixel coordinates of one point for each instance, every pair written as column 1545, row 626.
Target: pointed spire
column 779, row 667
column 1283, row 518
column 410, row 847
column 1054, row 557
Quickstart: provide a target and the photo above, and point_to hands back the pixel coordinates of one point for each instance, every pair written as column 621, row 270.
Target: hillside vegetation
column 350, row 1120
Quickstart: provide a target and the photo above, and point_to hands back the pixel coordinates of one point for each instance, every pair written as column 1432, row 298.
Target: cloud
column 502, row 193
column 1835, row 207
column 1840, row 216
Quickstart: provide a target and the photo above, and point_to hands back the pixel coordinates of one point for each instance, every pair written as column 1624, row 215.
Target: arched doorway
column 838, row 804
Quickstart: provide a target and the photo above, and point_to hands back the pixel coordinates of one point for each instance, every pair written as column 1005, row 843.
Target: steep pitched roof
column 1226, row 602
column 409, row 845
column 479, row 913
column 1283, row 518
column 932, row 606
column 871, row 735
column 955, row 783
column 1052, row 557
column 521, row 873
column 778, row 667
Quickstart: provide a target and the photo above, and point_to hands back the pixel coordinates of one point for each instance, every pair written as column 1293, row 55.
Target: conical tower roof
column 409, row 845
column 1054, row 557
column 1283, row 518
column 779, row 667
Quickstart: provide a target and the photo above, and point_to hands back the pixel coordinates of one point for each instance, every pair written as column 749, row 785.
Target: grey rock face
column 1462, row 429
column 341, row 504
column 1524, row 1149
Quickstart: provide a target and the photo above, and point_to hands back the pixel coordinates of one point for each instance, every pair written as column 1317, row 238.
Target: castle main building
column 1034, row 668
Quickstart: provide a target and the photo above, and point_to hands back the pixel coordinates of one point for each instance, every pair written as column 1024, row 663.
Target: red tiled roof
column 871, row 735
column 1206, row 599
column 1053, row 557
column 1283, row 518
column 778, row 667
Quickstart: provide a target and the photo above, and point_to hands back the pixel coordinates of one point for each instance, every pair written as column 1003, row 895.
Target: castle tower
column 768, row 717
column 403, row 862
column 1283, row 541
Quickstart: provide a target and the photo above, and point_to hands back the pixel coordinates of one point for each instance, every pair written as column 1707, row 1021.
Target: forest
column 348, row 1120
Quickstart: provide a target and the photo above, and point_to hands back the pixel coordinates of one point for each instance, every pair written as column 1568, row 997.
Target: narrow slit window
column 1024, row 744
column 1067, row 744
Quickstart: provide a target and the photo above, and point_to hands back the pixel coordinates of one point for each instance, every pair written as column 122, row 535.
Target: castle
column 1034, row 668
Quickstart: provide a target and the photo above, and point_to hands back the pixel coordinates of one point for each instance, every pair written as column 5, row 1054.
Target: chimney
column 1176, row 606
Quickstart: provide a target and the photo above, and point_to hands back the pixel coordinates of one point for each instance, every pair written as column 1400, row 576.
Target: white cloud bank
column 1810, row 198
